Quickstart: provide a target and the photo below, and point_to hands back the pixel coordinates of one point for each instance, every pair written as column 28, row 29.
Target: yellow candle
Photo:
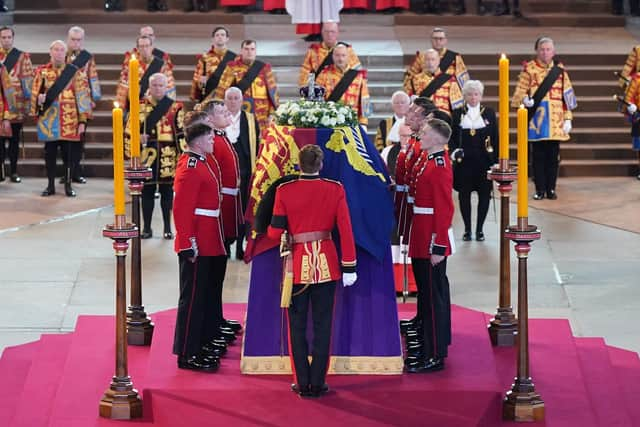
column 523, row 162
column 134, row 106
column 503, row 97
column 118, row 161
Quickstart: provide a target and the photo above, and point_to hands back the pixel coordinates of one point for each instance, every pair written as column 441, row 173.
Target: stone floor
column 56, row 265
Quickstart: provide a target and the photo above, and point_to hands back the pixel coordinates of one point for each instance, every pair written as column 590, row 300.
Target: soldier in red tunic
column 429, row 246
column 201, row 254
column 309, row 209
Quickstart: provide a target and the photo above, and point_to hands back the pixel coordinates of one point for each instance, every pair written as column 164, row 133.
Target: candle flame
column 521, row 105
column 133, row 56
column 503, row 56
column 116, row 104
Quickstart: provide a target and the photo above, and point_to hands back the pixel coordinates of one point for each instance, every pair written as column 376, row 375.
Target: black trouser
column 435, row 306
column 13, row 142
column 484, row 197
column 618, row 6
column 197, row 322
column 50, row 156
column 76, row 149
column 321, row 297
column 516, row 4
column 545, row 165
column 148, row 202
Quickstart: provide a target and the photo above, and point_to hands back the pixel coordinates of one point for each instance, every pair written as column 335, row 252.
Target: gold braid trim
column 338, row 365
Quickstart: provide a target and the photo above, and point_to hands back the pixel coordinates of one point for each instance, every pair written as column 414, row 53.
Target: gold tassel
column 287, row 288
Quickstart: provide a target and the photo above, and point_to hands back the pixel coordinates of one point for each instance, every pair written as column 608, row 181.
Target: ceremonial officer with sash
column 255, row 80
column 162, row 122
column 86, row 64
column 308, row 210
column 148, row 65
column 429, row 245
column 211, row 65
column 18, row 95
column 450, row 62
column 200, row 248
column 545, row 89
column 346, row 84
column 244, row 135
column 319, row 55
column 61, row 103
column 442, row 88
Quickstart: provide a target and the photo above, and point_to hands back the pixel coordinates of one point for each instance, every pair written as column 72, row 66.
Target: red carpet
column 58, row 381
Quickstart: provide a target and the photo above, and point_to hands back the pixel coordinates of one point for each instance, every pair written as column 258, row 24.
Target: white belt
column 229, row 191
column 214, row 213
column 410, row 199
column 422, row 211
column 402, row 188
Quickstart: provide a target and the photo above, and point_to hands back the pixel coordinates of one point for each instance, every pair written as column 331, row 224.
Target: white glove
column 566, row 127
column 632, row 108
column 528, row 102
column 349, row 279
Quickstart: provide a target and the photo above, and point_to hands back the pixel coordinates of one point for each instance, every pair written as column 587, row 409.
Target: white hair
column 543, row 40
column 60, row 42
column 232, row 89
column 431, row 50
column 158, row 76
column 401, row 94
column 76, row 29
column 472, row 85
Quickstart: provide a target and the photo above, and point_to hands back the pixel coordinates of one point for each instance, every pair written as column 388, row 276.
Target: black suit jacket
column 243, row 149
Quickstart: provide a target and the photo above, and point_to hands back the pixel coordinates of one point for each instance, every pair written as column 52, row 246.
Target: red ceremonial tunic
column 312, row 204
column 230, row 184
column 404, row 166
column 196, row 206
column 433, row 208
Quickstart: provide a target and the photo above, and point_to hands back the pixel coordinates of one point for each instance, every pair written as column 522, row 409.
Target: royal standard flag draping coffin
column 350, row 158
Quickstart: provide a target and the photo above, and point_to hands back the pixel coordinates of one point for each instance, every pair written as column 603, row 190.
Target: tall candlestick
column 503, row 96
column 118, row 161
column 134, row 106
column 523, row 160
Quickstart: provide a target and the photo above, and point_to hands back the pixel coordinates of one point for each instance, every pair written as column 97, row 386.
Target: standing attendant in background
column 473, row 148
column 387, row 132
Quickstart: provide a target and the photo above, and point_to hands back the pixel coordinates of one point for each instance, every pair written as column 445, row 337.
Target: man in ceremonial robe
column 387, row 132
column 308, row 209
column 319, row 55
column 439, row 87
column 449, row 62
column 162, row 136
column 148, row 65
column 211, row 65
column 244, row 134
column 17, row 96
column 346, row 84
column 256, row 81
column 545, row 89
column 86, row 64
column 61, row 104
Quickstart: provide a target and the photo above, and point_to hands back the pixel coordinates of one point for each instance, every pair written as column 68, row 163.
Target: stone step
column 558, row 19
column 569, row 7
column 598, row 167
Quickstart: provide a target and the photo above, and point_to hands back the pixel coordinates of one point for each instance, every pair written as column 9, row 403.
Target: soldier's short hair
column 5, row 28
column 193, row 117
column 158, row 76
column 470, row 85
column 310, row 158
column 216, row 29
column 247, row 42
column 439, row 127
column 192, row 133
column 60, row 42
column 76, row 29
column 426, row 104
column 144, row 38
column 208, row 106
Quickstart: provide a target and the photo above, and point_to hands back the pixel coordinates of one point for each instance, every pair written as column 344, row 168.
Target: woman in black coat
column 473, row 148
